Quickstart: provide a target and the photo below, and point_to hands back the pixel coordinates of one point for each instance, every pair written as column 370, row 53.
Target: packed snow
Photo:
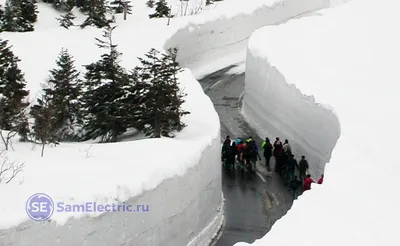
column 100, row 172
column 346, row 57
column 116, row 172
column 218, row 38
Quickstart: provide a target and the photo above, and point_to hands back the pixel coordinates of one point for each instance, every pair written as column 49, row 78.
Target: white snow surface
column 218, row 38
column 121, row 171
column 348, row 58
column 100, row 172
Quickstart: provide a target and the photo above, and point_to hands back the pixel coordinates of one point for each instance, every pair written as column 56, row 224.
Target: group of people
column 246, row 152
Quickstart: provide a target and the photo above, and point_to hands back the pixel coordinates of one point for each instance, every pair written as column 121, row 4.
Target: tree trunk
column 169, row 15
column 187, row 3
column 43, row 144
column 114, row 136
column 4, row 140
column 157, row 125
column 125, row 10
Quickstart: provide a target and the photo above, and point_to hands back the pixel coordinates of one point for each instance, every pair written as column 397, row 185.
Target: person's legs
column 267, row 160
column 291, row 175
column 295, row 193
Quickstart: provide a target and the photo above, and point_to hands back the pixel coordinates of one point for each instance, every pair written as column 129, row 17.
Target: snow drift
column 216, row 39
column 352, row 65
column 182, row 209
column 178, row 178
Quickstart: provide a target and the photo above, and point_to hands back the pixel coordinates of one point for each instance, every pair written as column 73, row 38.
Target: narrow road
column 253, row 203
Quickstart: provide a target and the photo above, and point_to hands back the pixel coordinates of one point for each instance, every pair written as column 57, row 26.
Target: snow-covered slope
column 218, row 38
column 347, row 58
column 183, row 172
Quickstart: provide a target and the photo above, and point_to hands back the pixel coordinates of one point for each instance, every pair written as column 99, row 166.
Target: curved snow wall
column 184, row 210
column 275, row 108
column 210, row 43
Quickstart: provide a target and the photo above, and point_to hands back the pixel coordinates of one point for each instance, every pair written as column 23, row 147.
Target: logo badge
column 39, row 207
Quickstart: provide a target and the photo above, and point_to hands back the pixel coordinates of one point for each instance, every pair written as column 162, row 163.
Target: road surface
column 253, row 202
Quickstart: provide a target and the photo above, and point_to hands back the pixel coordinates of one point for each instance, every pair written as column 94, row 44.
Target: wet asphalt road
column 253, row 202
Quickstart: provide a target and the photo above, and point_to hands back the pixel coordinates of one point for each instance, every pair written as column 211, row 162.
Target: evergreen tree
column 63, row 95
column 1, row 12
column 66, row 20
column 28, row 10
column 104, row 81
column 17, row 16
column 8, row 19
column 96, row 11
column 150, row 3
column 121, row 6
column 162, row 9
column 43, row 114
column 12, row 93
column 163, row 98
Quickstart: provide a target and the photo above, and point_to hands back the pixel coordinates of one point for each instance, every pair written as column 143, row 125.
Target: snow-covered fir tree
column 150, row 3
column 119, row 6
column 65, row 20
column 162, row 101
column 96, row 12
column 63, row 92
column 162, row 10
column 28, row 10
column 13, row 94
column 105, row 113
column 19, row 16
column 1, row 11
column 8, row 19
column 44, row 131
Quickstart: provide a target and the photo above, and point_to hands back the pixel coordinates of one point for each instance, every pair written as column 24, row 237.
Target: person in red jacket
column 240, row 150
column 307, row 182
column 321, row 180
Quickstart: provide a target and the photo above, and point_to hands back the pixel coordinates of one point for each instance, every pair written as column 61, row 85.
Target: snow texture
column 352, row 65
column 218, row 38
column 276, row 108
column 123, row 171
column 181, row 176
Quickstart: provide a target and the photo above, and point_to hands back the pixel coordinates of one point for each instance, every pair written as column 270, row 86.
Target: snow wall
column 275, row 108
column 335, row 3
column 206, row 46
column 183, row 209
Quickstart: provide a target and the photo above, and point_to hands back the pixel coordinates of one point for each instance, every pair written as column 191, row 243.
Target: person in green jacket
column 267, row 150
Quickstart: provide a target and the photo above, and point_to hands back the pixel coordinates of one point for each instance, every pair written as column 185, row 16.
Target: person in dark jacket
column 267, row 149
column 291, row 167
column 225, row 146
column 234, row 149
column 294, row 186
column 303, row 167
column 252, row 154
column 229, row 157
column 278, row 155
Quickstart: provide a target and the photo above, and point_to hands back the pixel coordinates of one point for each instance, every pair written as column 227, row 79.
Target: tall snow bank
column 276, row 108
column 218, row 37
column 351, row 64
column 154, row 172
column 335, row 3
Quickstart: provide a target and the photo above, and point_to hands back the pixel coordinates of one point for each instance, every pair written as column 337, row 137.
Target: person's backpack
column 252, row 148
column 228, row 151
